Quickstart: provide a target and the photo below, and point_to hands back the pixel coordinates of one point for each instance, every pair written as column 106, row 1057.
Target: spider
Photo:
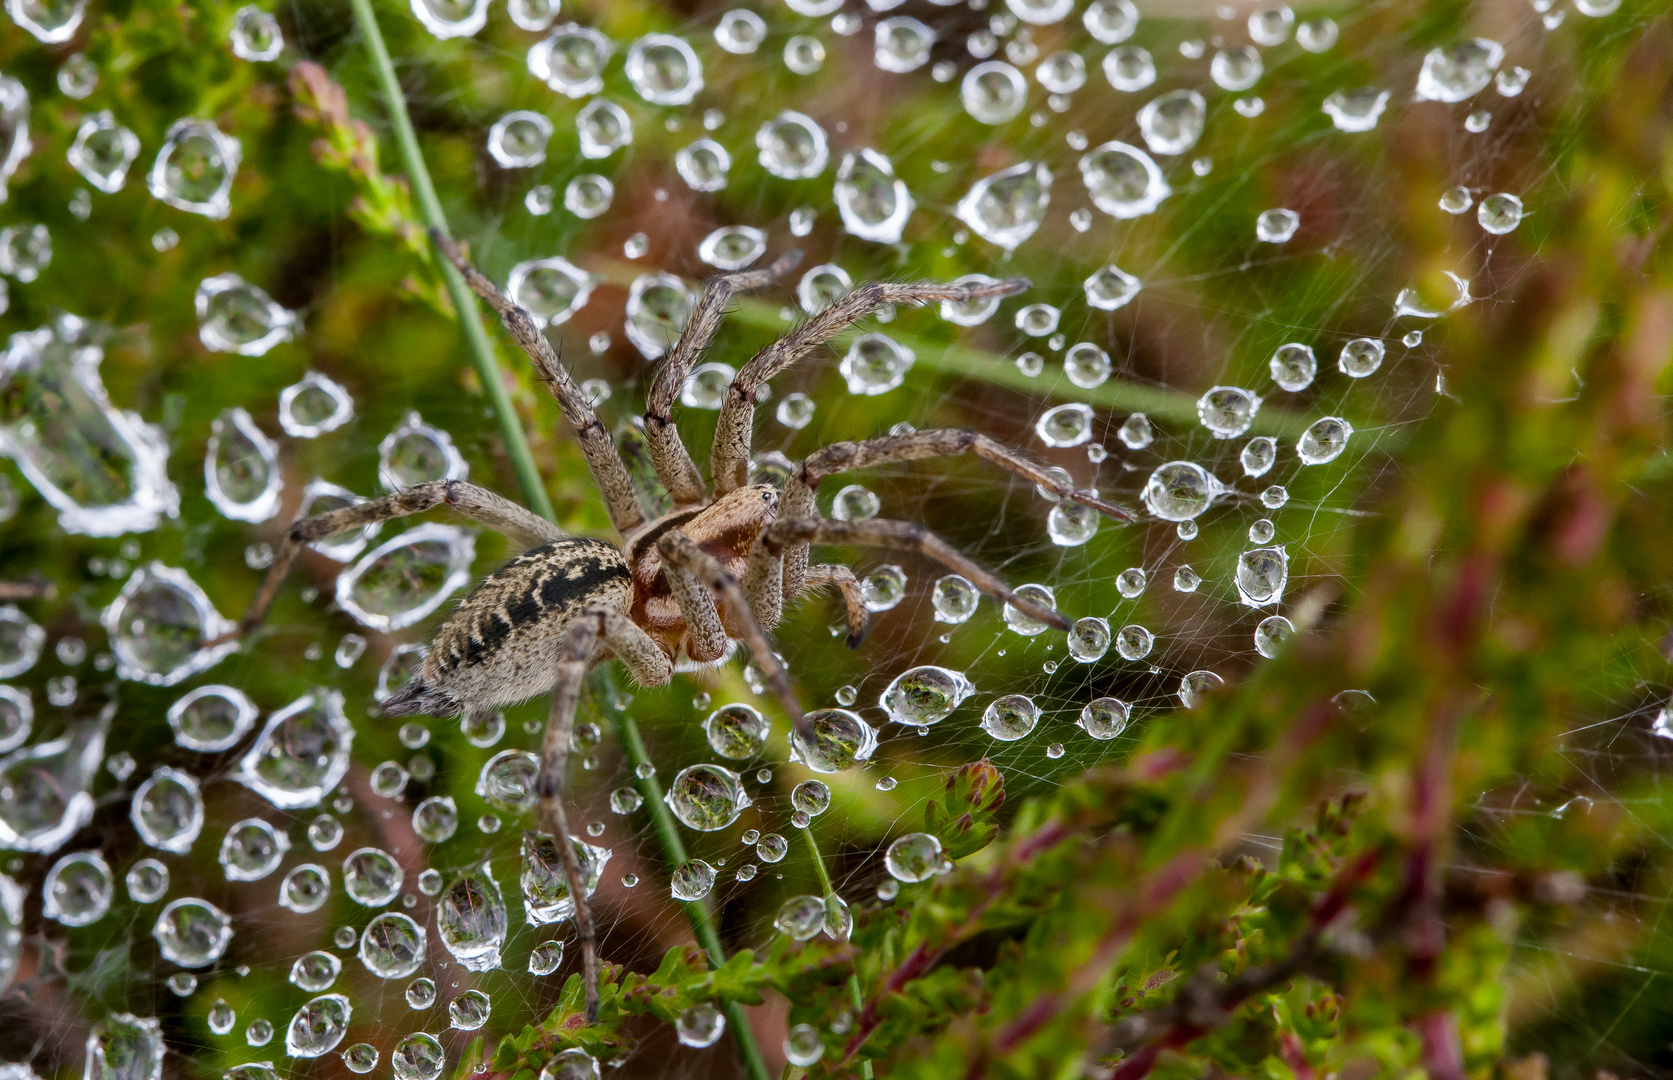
column 716, row 568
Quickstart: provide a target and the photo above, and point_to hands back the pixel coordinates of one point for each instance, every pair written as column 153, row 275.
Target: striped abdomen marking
column 511, row 616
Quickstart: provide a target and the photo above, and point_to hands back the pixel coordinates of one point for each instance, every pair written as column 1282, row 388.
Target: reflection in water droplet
column 604, row 128
column 704, row 165
column 237, row 317
column 103, row 151
column 913, row 858
column 1195, row 687
column 305, row 887
column 471, row 919
column 873, row 202
column 124, row 1047
column 707, row 798
column 167, row 810
column 1172, row 123
column 518, row 139
column 1324, row 440
column 192, row 933
column 1356, row 110
column 1006, row 207
column 993, row 92
column 1499, row 214
column 792, row 146
column 658, row 306
column 1261, row 575
column 301, row 753
column 1276, row 226
column 875, row 364
column 77, row 890
column 160, row 625
column 103, row 469
column 928, row 694
column 732, row 247
column 195, row 167
column 1104, row 718
column 241, row 473
column 1459, row 71
column 407, row 577
column 664, row 69
column 546, row 896
column 256, row 35
column 451, row 18
column 1181, row 491
column 392, row 947
column 313, row 406
column 320, row 1025
column 1010, row 717
column 571, row 61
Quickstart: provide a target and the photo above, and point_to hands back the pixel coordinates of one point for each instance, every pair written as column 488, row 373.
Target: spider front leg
column 729, row 460
column 477, row 503
column 580, row 649
column 668, row 454
column 767, row 554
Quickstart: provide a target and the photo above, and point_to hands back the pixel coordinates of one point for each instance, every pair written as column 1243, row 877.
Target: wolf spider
column 715, row 568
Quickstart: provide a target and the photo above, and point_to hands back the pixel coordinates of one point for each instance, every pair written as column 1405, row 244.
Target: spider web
column 1216, row 303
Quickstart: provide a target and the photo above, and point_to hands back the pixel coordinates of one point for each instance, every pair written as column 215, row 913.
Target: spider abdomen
column 503, row 643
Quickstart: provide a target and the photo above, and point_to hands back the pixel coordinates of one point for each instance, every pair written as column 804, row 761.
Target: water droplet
column 147, row 881
column 700, row 1025
column 195, row 167
column 1293, row 368
column 313, row 406
column 371, row 876
column 359, row 1058
column 78, row 889
column 1195, row 687
column 1005, row 208
column 318, row 1026
column 301, row 753
column 1172, row 123
column 604, row 128
column 1065, row 425
column 1236, row 68
column 256, row 35
column 237, row 317
column 545, row 887
column 954, row 598
column 259, row 1033
column 102, row 152
column 469, row 1011
column 220, row 1017
column 707, row 798
column 1271, row 634
column 1360, row 357
column 1276, row 226
column 546, row 958
column 1022, row 623
column 664, row 69
column 737, row 731
column 1087, row 365
column 59, row 407
column 841, row 740
column 692, row 880
column 740, row 31
column 1186, row 580
column 252, row 849
column 571, row 1064
column 160, row 624
column 928, row 694
column 873, row 202
column 392, row 947
column 732, row 247
column 418, row 1056
column 241, row 468
column 875, row 364
column 1111, row 21
column 993, row 92
column 471, row 919
column 1134, row 642
column 1010, row 717
column 1103, row 718
column 315, row 971
column 800, row 917
column 571, row 60
column 1324, row 440
column 658, row 306
column 1499, row 214
column 1181, row 491
column 1356, row 110
column 704, row 165
column 1227, row 411
column 792, row 146
column 1089, row 639
column 802, row 1045
column 913, row 858
column 1071, row 524
column 167, row 810
column 1456, row 72
column 50, row 21
column 124, row 1047
column 804, row 54
column 1261, row 575
column 1130, row 582
column 305, row 887
column 901, row 44
column 420, row 994
column 404, row 579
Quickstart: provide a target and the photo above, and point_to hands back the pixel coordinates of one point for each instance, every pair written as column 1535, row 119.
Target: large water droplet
column 103, row 151
column 704, row 165
column 237, row 317
column 571, row 61
column 407, row 577
column 1010, row 717
column 1293, row 367
column 1008, row 206
column 252, row 849
column 518, row 139
column 925, row 695
column 1103, row 718
column 604, row 128
column 507, row 780
column 241, row 471
column 692, row 880
column 901, row 44
column 1065, row 425
column 392, row 946
column 371, row 876
column 1499, row 214
column 1181, row 491
column 1324, row 440
column 993, row 92
column 732, row 247
column 104, row 470
column 1356, row 110
column 17, row 717
column 320, row 1025
column 792, row 146
column 840, row 741
column 78, row 889
column 195, row 168
column 706, row 797
column 914, row 857
column 1227, row 411
column 737, row 731
column 471, row 919
column 255, row 35
column 1236, row 68
column 415, row 452
column 14, row 129
column 192, row 933
column 875, row 364
column 167, row 810
column 44, row 789
column 1456, row 72
column 658, row 306
column 124, row 1047
column 301, row 753
column 21, row 639
column 1123, row 181
column 1129, row 68
column 546, row 896
column 1261, row 575
column 313, row 406
column 664, row 69
column 160, row 625
column 700, row 1025
column 1172, row 124
column 873, row 202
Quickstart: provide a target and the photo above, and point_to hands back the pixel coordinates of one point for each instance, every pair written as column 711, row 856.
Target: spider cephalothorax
column 719, row 568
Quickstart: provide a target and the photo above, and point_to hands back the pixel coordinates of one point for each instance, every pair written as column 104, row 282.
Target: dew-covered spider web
column 1246, row 230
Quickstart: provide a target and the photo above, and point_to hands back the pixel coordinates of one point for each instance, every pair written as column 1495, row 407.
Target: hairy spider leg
column 610, row 475
column 669, row 456
column 729, row 459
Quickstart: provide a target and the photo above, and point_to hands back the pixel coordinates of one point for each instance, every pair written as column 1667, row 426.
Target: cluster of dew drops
column 161, row 619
